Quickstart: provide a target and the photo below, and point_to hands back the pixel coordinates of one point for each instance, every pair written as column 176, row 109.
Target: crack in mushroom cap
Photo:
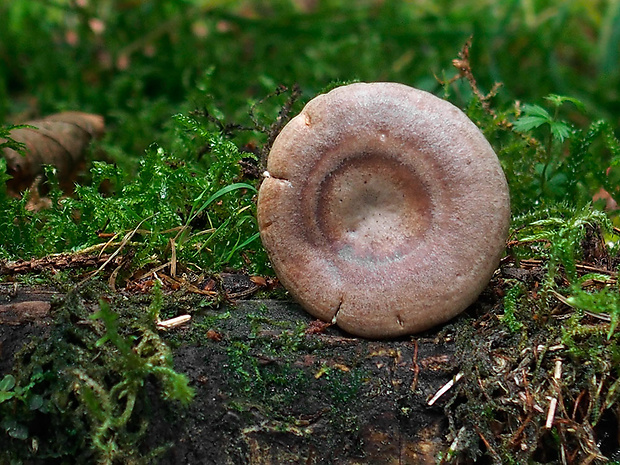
column 386, row 210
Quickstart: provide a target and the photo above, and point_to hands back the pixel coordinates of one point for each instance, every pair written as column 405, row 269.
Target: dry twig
column 463, row 66
column 445, row 388
column 557, row 375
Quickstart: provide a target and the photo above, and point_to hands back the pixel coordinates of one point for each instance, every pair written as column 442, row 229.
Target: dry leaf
column 59, row 140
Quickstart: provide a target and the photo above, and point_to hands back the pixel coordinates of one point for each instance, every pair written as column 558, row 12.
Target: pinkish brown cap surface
column 384, row 209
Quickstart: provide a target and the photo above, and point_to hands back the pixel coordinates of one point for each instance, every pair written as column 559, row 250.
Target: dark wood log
column 274, row 387
column 25, row 304
column 350, row 400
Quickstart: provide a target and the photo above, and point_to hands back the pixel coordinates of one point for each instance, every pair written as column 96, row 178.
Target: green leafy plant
column 547, row 158
column 579, row 173
column 26, row 395
column 5, row 138
column 535, row 117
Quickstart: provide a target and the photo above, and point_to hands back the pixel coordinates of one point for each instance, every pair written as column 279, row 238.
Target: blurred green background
column 139, row 62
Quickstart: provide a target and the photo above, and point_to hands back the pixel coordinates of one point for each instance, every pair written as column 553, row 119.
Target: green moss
column 511, row 302
column 276, row 370
column 172, row 198
column 73, row 394
column 261, row 367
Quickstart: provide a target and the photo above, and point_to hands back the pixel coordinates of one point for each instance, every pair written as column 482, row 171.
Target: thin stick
column 565, row 301
column 488, row 445
column 416, row 367
column 110, row 242
column 173, row 322
column 173, row 259
column 446, row 387
column 554, row 401
column 595, row 269
column 125, row 240
column 154, row 271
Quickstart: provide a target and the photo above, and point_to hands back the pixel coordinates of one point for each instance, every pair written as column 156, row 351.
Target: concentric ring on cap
column 385, row 210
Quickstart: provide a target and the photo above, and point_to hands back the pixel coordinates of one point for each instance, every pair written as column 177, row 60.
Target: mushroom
column 383, row 209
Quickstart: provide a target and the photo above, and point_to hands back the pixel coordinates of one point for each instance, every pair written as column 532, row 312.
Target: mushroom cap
column 384, row 209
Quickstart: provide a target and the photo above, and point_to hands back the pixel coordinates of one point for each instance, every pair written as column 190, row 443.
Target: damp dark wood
column 273, row 386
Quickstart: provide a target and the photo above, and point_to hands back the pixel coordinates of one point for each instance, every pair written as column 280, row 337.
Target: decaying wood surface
column 352, row 401
column 54, row 262
column 20, row 306
column 274, row 386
